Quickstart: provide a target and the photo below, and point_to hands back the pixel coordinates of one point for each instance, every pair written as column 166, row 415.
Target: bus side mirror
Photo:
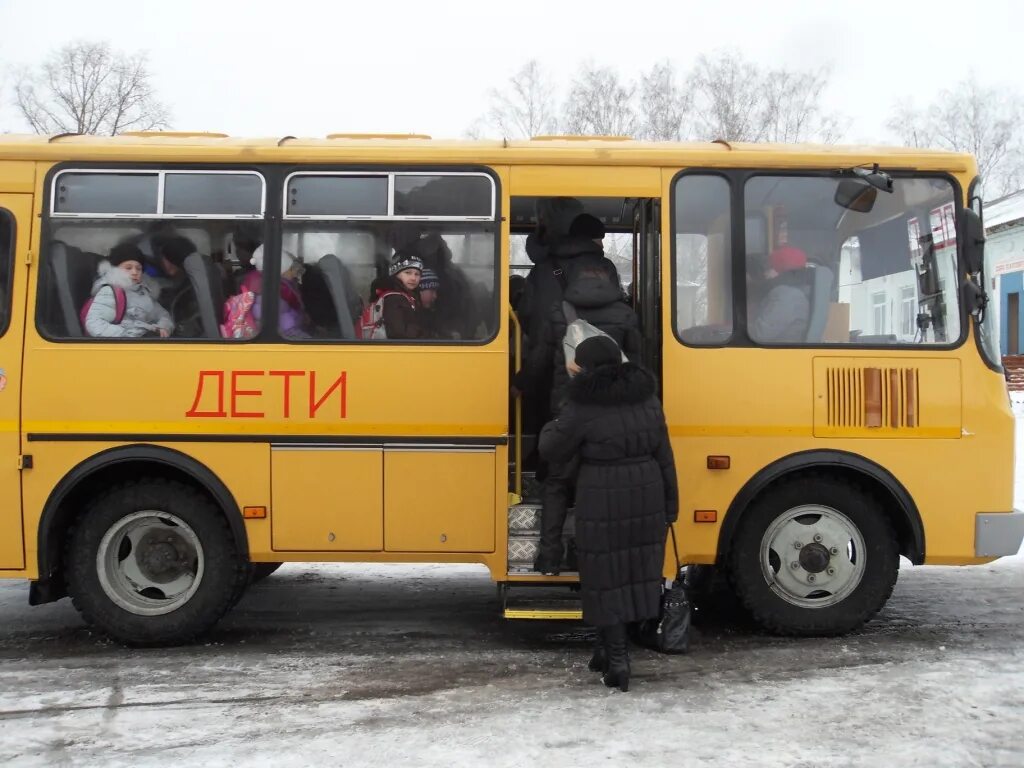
column 973, row 234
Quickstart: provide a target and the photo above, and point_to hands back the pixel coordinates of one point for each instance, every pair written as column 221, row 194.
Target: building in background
column 1004, row 251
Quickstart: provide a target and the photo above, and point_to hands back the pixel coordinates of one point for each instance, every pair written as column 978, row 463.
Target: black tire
column 260, row 571
column 223, row 580
column 880, row 563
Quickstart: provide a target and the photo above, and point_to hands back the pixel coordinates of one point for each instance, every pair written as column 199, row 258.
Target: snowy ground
column 356, row 666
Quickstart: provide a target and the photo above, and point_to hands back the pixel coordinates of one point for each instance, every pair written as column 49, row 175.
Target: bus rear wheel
column 814, row 556
column 152, row 562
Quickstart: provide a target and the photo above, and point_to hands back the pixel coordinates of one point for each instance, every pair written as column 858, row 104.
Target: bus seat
column 206, row 283
column 821, row 298
column 72, row 275
column 339, row 284
column 317, row 298
column 200, row 237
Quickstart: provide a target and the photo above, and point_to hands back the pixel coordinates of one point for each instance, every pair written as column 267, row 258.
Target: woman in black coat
column 626, row 495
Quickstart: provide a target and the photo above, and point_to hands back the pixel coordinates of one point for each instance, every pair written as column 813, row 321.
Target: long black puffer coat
column 626, row 491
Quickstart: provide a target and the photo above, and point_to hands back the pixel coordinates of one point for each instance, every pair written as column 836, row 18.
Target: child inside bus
column 784, row 312
column 124, row 300
column 293, row 322
column 428, row 290
column 396, row 309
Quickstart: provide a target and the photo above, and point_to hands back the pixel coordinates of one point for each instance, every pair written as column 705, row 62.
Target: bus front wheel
column 814, row 556
column 152, row 562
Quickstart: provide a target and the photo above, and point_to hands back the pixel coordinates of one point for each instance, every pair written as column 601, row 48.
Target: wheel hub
column 150, row 562
column 161, row 557
column 814, row 558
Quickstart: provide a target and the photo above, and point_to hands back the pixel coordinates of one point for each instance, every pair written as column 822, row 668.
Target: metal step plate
column 544, row 608
column 524, row 519
column 544, row 614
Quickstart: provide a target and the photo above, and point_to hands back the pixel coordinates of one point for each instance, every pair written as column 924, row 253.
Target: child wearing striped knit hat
column 430, row 283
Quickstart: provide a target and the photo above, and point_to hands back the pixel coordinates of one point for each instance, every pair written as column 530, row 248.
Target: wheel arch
column 65, row 503
column 898, row 504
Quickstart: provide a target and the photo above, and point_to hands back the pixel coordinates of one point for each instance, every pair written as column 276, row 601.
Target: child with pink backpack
column 243, row 311
column 396, row 312
column 124, row 302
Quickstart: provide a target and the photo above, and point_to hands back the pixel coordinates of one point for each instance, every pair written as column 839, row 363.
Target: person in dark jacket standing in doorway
column 559, row 252
column 592, row 295
column 626, row 495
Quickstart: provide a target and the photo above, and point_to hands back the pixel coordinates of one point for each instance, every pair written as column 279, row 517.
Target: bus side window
column 183, row 224
column 7, row 231
column 348, row 229
column 703, row 259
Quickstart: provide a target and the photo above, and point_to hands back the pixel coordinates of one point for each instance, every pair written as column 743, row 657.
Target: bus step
column 543, row 609
column 531, row 486
column 524, row 539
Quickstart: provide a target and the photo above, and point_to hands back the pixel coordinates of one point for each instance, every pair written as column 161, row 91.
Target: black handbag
column 670, row 632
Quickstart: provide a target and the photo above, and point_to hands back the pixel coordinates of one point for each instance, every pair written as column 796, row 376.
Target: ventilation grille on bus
column 873, row 397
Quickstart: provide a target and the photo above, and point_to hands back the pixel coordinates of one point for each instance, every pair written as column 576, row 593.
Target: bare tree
column 601, row 104
column 732, row 99
column 970, row 118
column 792, row 107
column 86, row 87
column 663, row 104
column 526, row 106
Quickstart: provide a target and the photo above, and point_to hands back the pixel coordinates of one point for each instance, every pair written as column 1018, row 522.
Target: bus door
column 15, row 230
column 645, row 291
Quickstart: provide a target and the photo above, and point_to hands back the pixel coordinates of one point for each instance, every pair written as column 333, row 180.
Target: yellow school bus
column 149, row 476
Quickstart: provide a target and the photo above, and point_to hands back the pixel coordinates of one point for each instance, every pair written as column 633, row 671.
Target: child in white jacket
column 143, row 314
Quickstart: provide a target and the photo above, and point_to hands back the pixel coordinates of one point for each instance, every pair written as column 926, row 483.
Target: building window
column 908, row 313
column 879, row 313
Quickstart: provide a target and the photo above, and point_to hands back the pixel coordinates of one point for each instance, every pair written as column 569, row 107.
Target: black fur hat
column 597, row 350
column 123, row 252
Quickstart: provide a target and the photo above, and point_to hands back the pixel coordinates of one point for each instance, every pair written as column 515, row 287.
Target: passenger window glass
column 337, row 272
column 337, row 196
column 703, row 257
column 199, row 278
column 98, row 193
column 461, row 196
column 879, row 270
column 211, row 194
column 430, row 277
column 7, row 231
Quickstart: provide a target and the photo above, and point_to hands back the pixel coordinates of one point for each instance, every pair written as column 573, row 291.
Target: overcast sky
column 309, row 68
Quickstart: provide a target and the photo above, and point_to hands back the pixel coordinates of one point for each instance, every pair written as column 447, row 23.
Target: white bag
column 577, row 331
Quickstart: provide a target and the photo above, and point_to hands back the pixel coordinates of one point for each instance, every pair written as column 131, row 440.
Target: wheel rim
column 150, row 563
column 813, row 556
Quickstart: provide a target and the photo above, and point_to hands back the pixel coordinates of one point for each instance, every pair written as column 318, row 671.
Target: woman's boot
column 617, row 643
column 599, row 661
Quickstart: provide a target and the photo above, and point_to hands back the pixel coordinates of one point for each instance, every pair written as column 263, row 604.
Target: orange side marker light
column 254, row 513
column 705, row 515
column 718, row 462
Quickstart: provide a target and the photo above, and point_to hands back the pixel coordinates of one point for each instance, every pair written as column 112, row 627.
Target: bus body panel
column 19, row 208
